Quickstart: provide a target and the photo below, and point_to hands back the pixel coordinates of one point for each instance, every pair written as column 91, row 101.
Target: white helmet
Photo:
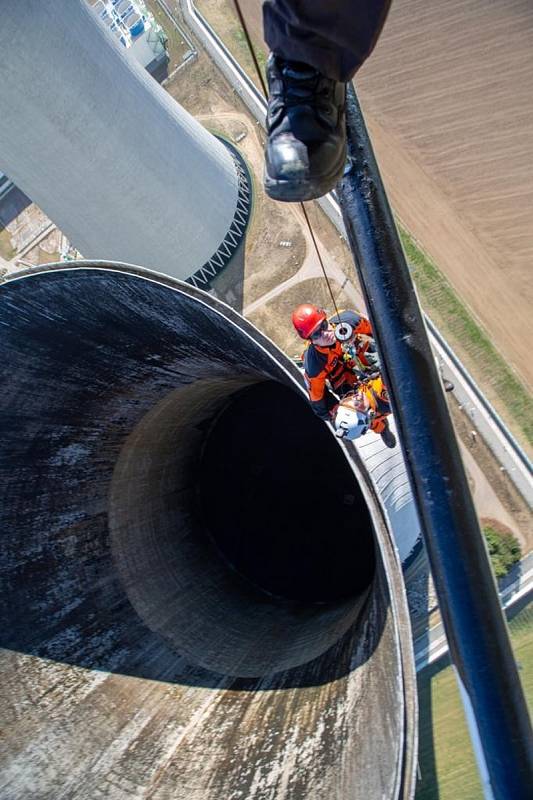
column 350, row 423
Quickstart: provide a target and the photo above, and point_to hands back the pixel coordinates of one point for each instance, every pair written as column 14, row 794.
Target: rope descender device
column 344, row 332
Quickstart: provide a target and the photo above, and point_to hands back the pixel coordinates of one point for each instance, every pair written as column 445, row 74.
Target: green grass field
column 447, row 766
column 471, row 343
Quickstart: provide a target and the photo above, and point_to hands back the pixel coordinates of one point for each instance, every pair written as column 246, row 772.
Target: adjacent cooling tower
column 110, row 157
column 388, row 472
column 200, row 596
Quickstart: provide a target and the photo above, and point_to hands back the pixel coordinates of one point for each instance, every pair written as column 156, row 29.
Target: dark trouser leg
column 333, row 36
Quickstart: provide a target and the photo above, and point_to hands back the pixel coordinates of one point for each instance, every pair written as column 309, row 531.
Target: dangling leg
column 380, row 424
column 316, row 48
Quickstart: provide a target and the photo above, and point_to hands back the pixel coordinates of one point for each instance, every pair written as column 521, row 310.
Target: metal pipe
column 466, row 589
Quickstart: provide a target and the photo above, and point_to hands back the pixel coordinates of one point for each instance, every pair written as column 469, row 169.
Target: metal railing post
column 466, row 589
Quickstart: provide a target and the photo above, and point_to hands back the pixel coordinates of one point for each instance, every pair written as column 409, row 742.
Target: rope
column 250, row 47
column 265, row 92
column 330, row 290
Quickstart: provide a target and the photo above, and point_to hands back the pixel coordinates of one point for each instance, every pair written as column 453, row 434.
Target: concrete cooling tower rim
column 165, row 430
column 144, row 443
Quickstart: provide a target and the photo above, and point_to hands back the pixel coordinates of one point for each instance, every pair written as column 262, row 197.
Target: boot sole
column 287, row 191
column 390, row 441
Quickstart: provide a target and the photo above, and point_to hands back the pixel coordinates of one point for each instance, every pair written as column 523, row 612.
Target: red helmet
column 307, row 319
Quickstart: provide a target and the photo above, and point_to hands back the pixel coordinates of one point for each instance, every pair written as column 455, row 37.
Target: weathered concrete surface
column 174, row 621
column 110, row 157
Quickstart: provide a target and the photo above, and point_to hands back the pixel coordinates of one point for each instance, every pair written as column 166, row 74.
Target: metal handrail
column 466, row 589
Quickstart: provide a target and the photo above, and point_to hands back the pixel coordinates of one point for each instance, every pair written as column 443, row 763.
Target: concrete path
column 486, row 500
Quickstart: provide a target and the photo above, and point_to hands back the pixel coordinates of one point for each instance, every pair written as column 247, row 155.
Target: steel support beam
column 469, row 603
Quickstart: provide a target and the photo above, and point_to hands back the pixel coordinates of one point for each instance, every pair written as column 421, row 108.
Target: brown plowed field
column 448, row 100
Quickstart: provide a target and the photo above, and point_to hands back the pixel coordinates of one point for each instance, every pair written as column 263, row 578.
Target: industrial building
column 136, row 29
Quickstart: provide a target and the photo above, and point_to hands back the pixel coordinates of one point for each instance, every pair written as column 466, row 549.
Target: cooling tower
column 110, row 157
column 200, row 595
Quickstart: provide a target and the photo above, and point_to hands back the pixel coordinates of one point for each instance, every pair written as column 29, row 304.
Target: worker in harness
column 339, row 357
column 316, row 48
column 340, row 351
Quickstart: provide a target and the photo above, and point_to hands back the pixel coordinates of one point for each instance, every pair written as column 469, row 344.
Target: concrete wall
column 117, row 164
column 183, row 614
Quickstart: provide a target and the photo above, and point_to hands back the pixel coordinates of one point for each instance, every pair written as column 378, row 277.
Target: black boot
column 388, row 437
column 306, row 148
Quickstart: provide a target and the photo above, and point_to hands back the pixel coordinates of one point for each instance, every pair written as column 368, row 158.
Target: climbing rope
column 265, row 92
